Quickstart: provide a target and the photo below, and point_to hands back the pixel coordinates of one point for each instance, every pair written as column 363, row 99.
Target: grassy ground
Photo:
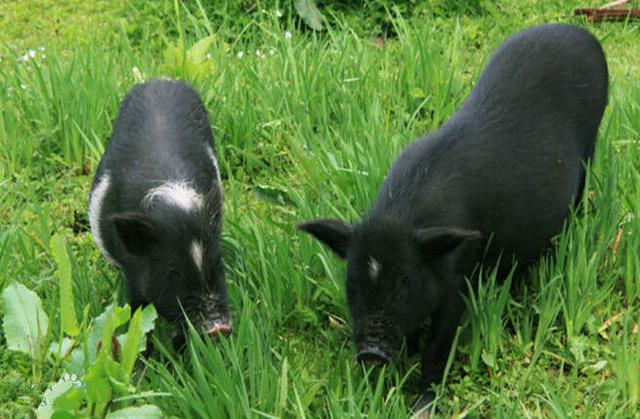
column 336, row 105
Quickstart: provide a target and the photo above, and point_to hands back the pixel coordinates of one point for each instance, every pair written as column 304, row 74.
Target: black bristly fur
column 498, row 178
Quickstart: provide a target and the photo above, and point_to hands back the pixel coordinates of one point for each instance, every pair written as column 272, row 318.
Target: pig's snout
column 372, row 355
column 376, row 340
column 218, row 329
column 217, row 325
column 216, row 319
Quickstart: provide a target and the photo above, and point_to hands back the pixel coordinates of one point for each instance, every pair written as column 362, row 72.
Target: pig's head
column 396, row 276
column 175, row 263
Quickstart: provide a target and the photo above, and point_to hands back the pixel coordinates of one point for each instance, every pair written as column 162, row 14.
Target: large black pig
column 155, row 206
column 499, row 176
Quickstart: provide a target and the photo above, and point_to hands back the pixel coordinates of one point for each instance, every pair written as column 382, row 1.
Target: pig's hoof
column 424, row 406
column 423, row 414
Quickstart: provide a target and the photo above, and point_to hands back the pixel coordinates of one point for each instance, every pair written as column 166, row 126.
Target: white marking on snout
column 95, row 210
column 374, row 268
column 197, row 254
column 179, row 193
column 215, row 163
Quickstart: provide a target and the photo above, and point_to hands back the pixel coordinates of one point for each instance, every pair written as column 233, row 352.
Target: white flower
column 24, row 58
column 272, row 51
column 23, row 86
column 240, row 54
column 278, row 13
column 287, row 35
column 41, row 49
column 259, row 53
column 32, row 53
column 208, row 55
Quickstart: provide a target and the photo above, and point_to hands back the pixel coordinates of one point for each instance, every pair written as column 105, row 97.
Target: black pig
column 155, row 206
column 499, row 177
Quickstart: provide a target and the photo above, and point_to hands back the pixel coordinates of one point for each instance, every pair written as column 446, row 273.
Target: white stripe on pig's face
column 197, row 254
column 374, row 269
column 95, row 209
column 179, row 193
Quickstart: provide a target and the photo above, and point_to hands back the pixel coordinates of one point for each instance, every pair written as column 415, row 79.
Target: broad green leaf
column 71, row 400
column 76, row 362
column 118, row 378
column 97, row 382
column 174, row 56
column 309, row 12
column 55, row 392
column 132, row 343
column 85, row 354
column 121, row 315
column 63, row 414
column 197, row 65
column 67, row 307
column 104, row 378
column 198, row 52
column 578, row 345
column 95, row 331
column 597, row 367
column 147, row 411
column 192, row 63
column 489, row 359
column 117, row 317
column 105, row 375
column 149, row 317
column 61, row 347
column 25, row 323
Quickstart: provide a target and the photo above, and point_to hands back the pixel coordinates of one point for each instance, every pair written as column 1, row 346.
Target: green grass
column 331, row 105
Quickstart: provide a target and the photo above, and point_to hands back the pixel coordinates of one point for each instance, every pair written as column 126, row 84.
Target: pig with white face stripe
column 155, row 206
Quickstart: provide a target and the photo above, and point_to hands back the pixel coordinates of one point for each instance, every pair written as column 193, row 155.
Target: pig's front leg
column 438, row 345
column 413, row 343
column 135, row 297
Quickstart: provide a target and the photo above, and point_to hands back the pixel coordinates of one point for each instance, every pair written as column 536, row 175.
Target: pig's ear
column 138, row 233
column 442, row 240
column 334, row 233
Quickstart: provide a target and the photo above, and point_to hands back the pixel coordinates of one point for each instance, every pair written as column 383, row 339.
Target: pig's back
column 162, row 133
column 540, row 78
column 509, row 162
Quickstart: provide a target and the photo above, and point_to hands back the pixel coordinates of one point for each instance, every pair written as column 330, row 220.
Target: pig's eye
column 191, row 299
column 173, row 273
column 399, row 291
